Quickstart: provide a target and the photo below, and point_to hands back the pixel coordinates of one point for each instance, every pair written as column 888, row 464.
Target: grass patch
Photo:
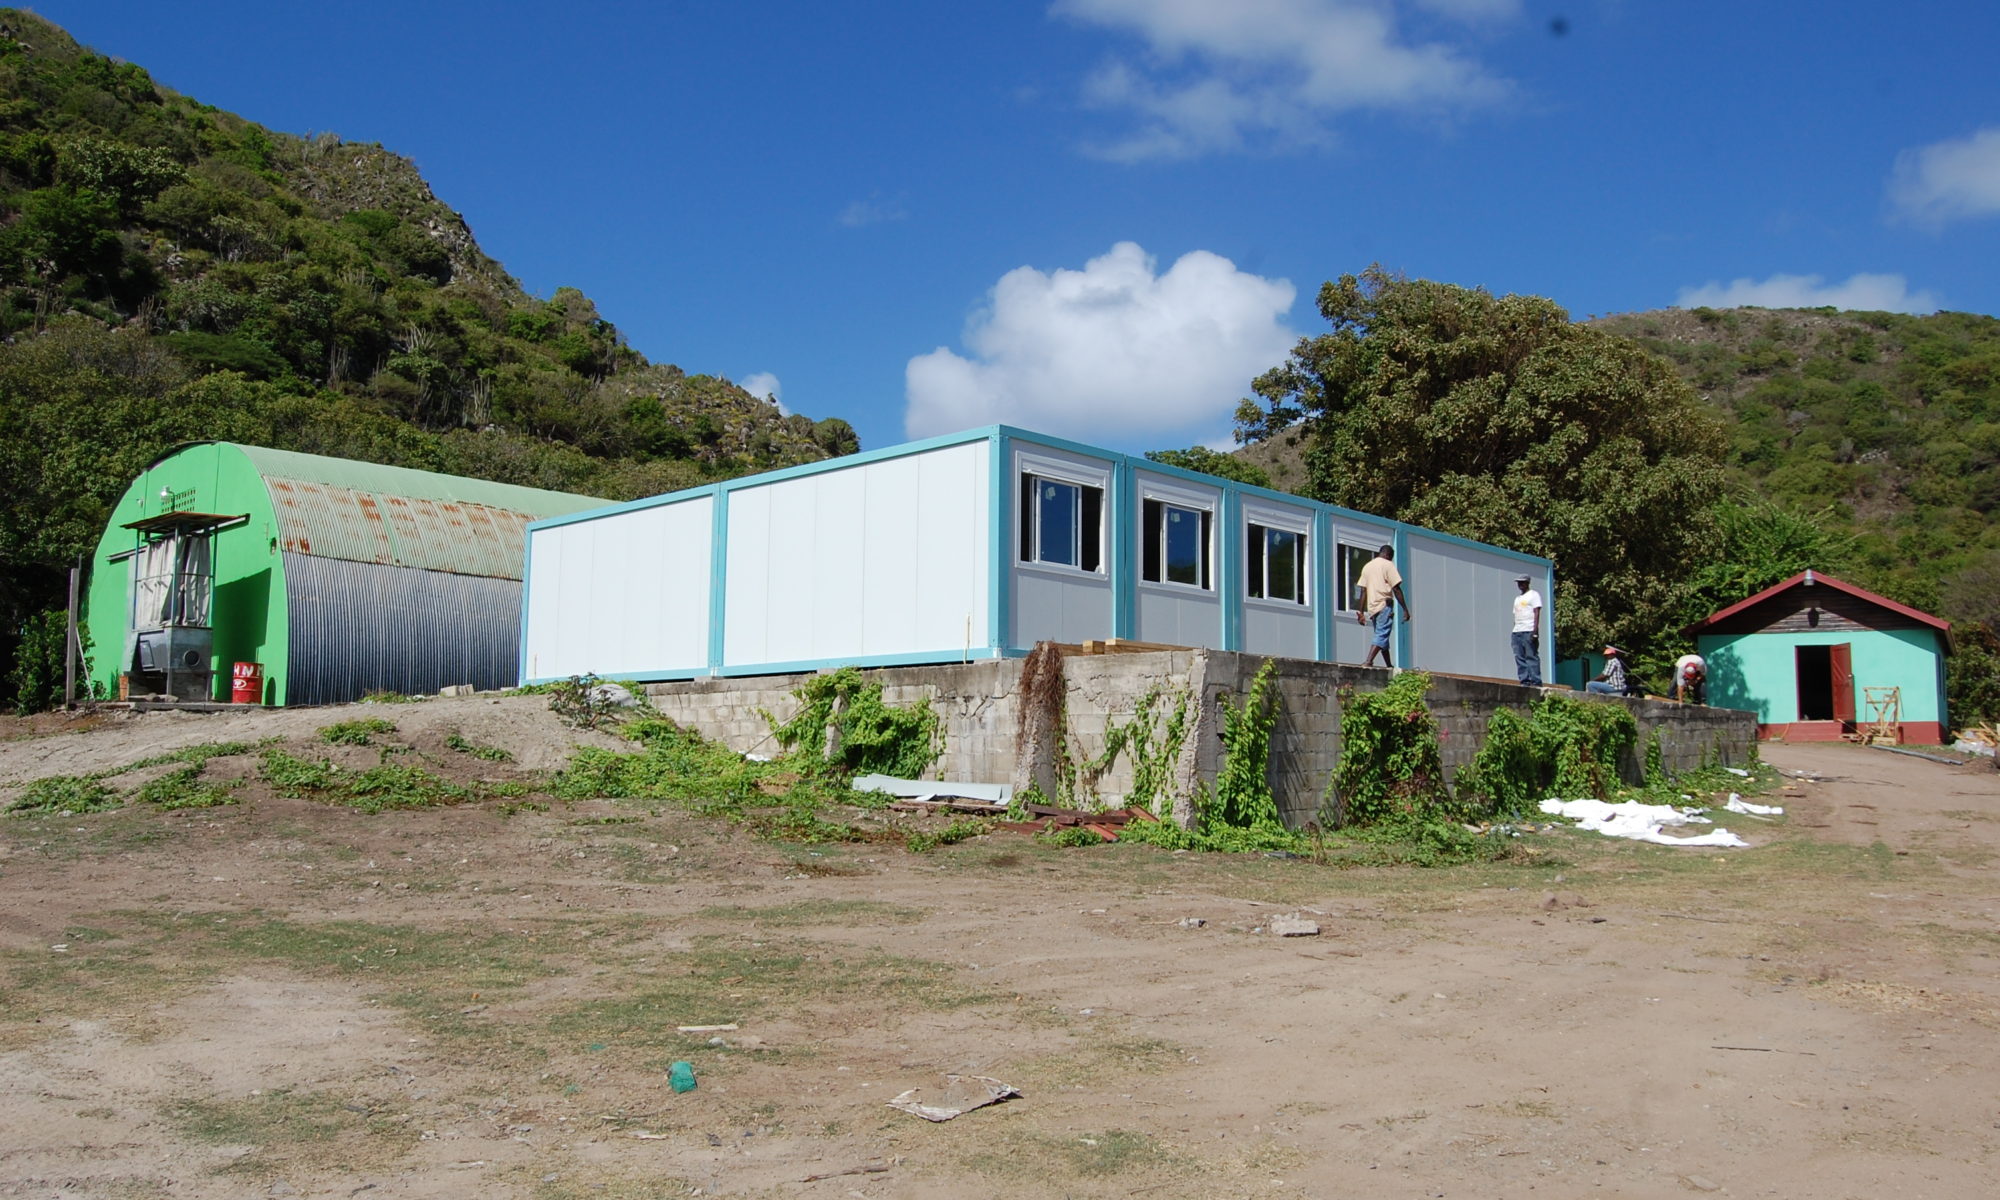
column 1097, row 1156
column 65, row 795
column 360, row 732
column 818, row 912
column 457, row 741
column 681, row 767
column 291, row 1128
column 184, row 789
column 193, row 756
column 723, row 980
column 377, row 789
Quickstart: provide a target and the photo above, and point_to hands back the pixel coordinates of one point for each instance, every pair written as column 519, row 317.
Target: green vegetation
column 377, row 789
column 844, row 726
column 171, row 272
column 1499, row 419
column 1240, row 813
column 64, row 795
column 1877, row 432
column 359, row 732
column 1212, row 462
column 1565, row 747
column 184, row 789
column 458, row 741
column 583, row 702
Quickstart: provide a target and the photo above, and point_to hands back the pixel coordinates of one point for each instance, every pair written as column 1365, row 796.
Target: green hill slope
column 170, row 272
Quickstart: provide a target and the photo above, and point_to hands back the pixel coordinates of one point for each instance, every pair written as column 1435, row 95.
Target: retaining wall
column 977, row 705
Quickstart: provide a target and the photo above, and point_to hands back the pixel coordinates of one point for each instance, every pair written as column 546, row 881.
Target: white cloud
column 765, row 386
column 1864, row 293
column 1946, row 181
column 1222, row 77
column 877, row 209
column 1114, row 352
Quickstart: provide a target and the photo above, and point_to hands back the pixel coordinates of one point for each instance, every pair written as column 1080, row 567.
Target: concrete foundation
column 976, row 702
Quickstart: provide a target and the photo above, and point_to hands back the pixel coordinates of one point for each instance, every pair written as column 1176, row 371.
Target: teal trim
column 1123, row 564
column 718, row 577
column 912, row 659
column 1321, row 553
column 527, row 573
column 1229, row 574
column 1000, row 540
column 1401, row 541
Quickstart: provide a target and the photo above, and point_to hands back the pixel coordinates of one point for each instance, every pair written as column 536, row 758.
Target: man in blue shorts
column 1381, row 583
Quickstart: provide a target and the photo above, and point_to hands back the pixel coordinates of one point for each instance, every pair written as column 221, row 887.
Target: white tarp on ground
column 1640, row 822
column 1738, row 804
column 934, row 789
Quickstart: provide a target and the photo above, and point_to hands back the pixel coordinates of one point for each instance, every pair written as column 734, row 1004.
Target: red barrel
column 246, row 683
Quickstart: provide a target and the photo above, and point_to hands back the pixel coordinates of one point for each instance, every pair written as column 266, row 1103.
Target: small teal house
column 1814, row 658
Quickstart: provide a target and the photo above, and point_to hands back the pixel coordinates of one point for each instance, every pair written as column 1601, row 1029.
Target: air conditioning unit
column 180, row 650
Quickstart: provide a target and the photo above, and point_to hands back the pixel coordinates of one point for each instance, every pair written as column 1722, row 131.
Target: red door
column 1841, row 658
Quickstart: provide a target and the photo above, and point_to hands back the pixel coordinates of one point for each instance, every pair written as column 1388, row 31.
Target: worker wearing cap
column 1690, row 679
column 1611, row 680
column 1527, row 635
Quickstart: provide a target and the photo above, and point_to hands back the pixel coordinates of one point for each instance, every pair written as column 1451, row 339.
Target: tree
column 1499, row 419
column 1212, row 462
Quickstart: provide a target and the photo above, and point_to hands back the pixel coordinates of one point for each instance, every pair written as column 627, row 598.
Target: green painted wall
column 1759, row 671
column 249, row 610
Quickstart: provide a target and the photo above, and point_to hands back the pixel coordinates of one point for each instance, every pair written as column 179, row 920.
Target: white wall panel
column 621, row 595
column 884, row 558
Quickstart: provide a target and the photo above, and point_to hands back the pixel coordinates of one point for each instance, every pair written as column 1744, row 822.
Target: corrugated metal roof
column 366, row 512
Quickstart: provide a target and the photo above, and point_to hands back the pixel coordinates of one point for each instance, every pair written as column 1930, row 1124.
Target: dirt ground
column 283, row 998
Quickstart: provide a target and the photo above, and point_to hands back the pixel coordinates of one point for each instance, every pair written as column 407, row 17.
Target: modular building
column 978, row 545
column 1818, row 659
column 334, row 578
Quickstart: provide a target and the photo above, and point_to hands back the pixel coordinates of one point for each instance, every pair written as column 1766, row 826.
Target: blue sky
column 1102, row 218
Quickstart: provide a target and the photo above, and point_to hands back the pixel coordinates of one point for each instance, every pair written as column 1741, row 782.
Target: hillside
column 171, row 272
column 1886, row 427
column 1890, row 423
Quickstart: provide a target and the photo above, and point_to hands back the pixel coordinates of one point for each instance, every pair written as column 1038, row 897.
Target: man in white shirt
column 1527, row 633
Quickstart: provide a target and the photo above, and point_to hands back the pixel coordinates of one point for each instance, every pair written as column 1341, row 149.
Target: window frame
column 1153, row 537
column 1092, row 492
column 1344, row 583
column 1271, row 519
column 1257, row 565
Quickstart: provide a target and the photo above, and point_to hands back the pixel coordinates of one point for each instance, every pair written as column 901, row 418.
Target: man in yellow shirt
column 1381, row 583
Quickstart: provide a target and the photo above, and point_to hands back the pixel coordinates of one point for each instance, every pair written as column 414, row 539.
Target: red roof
column 1804, row 578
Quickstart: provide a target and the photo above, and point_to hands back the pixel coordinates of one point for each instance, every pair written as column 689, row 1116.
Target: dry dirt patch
column 282, row 997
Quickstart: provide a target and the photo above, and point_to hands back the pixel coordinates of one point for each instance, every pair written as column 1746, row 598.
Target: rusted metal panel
column 338, row 522
column 360, row 627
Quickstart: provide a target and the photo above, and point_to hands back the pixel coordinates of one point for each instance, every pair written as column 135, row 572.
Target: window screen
column 1174, row 544
column 1277, row 564
column 1061, row 523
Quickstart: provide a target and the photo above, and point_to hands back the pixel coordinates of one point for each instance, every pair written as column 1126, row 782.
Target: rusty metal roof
column 367, row 512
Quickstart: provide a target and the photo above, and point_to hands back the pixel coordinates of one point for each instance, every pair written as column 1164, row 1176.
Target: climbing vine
column 870, row 735
column 1241, row 812
column 1390, row 768
column 1564, row 747
column 1150, row 739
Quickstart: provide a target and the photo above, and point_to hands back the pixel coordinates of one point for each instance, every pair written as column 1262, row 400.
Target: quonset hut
column 337, row 577
column 977, row 545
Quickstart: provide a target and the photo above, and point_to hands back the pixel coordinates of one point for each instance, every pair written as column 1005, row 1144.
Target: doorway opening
column 1825, row 682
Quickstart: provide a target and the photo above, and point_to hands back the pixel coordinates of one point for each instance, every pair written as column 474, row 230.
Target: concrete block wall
column 976, row 702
